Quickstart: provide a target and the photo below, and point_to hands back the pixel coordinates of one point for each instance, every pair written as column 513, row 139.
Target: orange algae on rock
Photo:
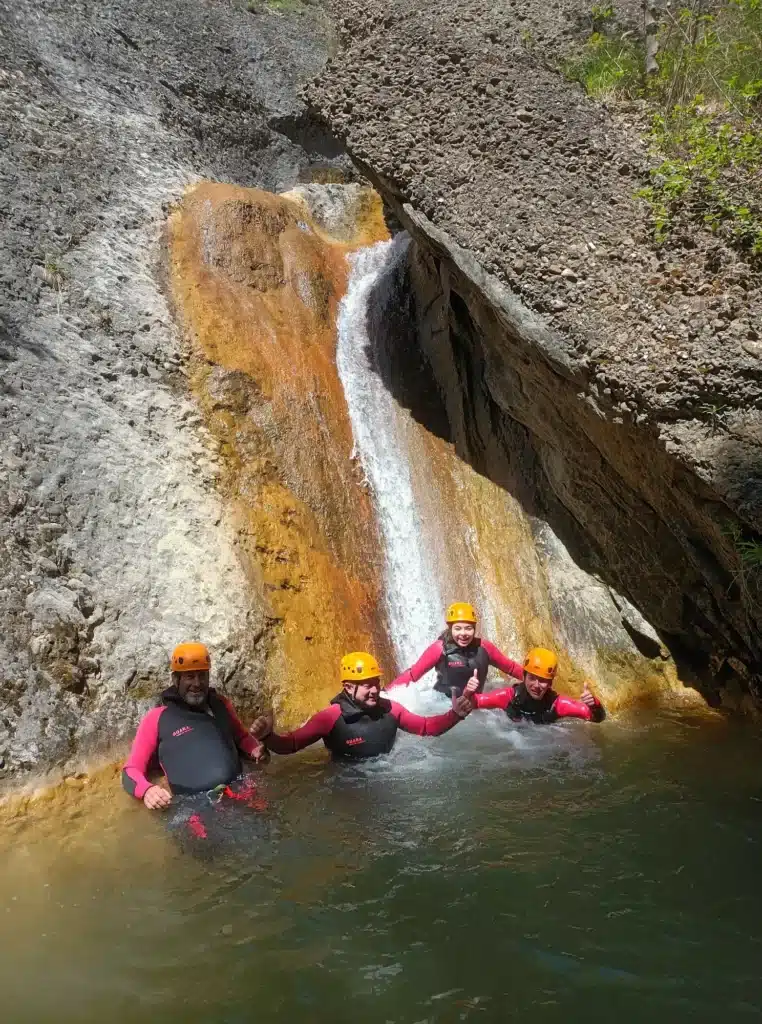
column 257, row 283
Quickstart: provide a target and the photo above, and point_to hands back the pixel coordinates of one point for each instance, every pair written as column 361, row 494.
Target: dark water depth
column 556, row 874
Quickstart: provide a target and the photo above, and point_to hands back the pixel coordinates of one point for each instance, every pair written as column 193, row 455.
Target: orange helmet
column 460, row 611
column 541, row 662
column 358, row 666
column 190, row 658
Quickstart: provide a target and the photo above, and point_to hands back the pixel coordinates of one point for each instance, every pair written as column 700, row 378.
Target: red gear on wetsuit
column 434, row 654
column 145, row 747
column 561, row 707
column 321, row 724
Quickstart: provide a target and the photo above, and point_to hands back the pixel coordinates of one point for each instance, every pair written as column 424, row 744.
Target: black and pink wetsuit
column 520, row 706
column 455, row 665
column 353, row 732
column 198, row 749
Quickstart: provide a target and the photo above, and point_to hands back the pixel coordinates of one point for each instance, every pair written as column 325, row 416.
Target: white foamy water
column 379, row 425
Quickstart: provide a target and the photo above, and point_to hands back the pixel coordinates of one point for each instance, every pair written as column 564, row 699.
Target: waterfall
column 381, row 432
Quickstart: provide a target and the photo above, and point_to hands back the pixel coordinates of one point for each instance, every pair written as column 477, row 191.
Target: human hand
column 261, row 726
column 471, row 686
column 260, row 754
column 156, row 798
column 588, row 697
column 462, row 706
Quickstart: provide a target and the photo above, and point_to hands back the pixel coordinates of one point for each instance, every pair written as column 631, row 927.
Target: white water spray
column 380, row 428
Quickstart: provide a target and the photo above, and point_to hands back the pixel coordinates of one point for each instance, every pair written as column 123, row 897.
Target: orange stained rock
column 257, row 283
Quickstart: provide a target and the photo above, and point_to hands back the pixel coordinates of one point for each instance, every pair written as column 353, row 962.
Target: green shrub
column 711, row 174
column 608, row 65
column 706, row 105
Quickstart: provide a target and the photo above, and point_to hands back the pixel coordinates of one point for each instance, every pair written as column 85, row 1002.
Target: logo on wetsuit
column 181, row 732
column 354, row 742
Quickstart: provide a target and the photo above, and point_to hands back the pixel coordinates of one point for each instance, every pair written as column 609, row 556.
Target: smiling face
column 463, row 633
column 193, row 687
column 536, row 686
column 365, row 694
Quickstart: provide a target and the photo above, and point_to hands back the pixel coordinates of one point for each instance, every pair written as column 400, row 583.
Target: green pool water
column 567, row 873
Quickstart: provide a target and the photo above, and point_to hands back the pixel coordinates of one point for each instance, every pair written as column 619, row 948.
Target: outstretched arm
column 316, row 728
column 502, row 661
column 425, row 664
column 590, row 710
column 246, row 743
column 134, row 778
column 495, row 698
column 419, row 725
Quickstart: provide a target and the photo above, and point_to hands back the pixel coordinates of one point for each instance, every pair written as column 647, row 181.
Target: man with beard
column 194, row 736
column 359, row 723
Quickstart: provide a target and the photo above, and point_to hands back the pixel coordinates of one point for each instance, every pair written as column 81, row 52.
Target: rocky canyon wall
column 257, row 282
column 583, row 368
column 114, row 540
column 171, row 423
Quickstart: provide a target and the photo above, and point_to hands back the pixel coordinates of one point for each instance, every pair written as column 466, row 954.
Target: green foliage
column 710, row 175
column 706, row 105
column 748, row 556
column 607, row 65
column 600, row 14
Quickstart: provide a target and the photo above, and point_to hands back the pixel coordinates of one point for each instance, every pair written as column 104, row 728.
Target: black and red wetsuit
column 198, row 749
column 455, row 665
column 354, row 732
column 519, row 705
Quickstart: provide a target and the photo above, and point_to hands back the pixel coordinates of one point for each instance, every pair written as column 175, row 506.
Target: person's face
column 536, row 686
column 463, row 633
column 193, row 687
column 366, row 693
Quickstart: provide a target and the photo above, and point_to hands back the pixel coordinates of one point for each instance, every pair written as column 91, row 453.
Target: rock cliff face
column 257, row 283
column 155, row 473
column 114, row 540
column 553, row 323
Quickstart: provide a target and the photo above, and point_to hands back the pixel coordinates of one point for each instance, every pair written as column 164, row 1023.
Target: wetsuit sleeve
column 565, row 707
column 243, row 738
column 434, row 725
column 144, row 747
column 317, row 728
column 495, row 698
column 501, row 661
column 425, row 664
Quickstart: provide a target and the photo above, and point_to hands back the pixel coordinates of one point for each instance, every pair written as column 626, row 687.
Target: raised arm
column 425, row 664
column 316, row 728
column 419, row 725
column 144, row 746
column 502, row 661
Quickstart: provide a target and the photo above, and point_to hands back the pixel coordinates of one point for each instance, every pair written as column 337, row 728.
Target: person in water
column 193, row 735
column 534, row 699
column 457, row 654
column 359, row 722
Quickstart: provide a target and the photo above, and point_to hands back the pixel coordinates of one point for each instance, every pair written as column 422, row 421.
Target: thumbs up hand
column 471, row 686
column 588, row 697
